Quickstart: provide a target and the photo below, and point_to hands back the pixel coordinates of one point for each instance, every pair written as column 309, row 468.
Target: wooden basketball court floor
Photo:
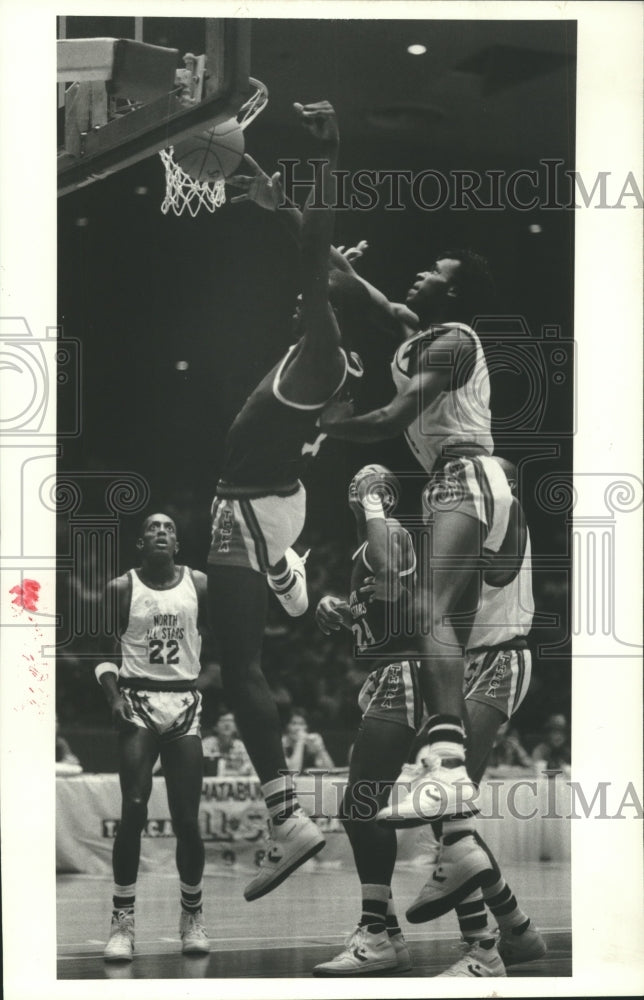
column 287, row 932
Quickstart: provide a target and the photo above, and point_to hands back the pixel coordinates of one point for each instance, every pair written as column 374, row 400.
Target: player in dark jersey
column 467, row 875
column 151, row 691
column 258, row 513
column 378, row 614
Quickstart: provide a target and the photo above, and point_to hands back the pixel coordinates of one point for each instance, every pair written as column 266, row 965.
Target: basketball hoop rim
column 184, row 192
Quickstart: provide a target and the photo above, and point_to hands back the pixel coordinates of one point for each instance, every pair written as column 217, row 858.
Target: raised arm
column 268, row 193
column 318, row 217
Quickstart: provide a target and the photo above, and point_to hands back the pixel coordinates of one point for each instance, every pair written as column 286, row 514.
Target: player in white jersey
column 156, row 708
column 497, row 680
column 497, row 677
column 442, row 404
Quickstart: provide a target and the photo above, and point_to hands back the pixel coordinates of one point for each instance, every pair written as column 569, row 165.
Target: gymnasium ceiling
column 498, row 90
column 484, row 91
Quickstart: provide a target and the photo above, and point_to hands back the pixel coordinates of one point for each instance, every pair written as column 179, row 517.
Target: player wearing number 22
column 156, row 708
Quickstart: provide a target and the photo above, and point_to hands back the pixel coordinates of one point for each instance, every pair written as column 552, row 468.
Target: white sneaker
column 120, row 946
column 364, row 954
column 477, row 963
column 517, row 948
column 427, row 791
column 426, row 848
column 461, row 868
column 193, row 934
column 291, row 844
column 402, row 953
column 294, row 599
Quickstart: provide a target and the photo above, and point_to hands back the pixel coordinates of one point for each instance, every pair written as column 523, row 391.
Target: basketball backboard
column 129, row 87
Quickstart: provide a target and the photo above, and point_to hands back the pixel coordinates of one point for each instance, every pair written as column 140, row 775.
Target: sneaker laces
column 429, row 761
column 353, row 939
column 195, row 926
column 125, row 922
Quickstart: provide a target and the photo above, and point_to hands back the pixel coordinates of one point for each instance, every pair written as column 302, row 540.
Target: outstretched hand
column 265, row 191
column 319, row 119
column 354, row 253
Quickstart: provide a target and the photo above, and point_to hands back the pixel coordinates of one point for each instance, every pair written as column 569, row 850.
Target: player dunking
column 442, row 405
column 161, row 610
column 258, row 513
column 497, row 680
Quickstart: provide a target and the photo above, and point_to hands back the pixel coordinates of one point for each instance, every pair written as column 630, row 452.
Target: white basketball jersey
column 457, row 416
column 505, row 612
column 161, row 641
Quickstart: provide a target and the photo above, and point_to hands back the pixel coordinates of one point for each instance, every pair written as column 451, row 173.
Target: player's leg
column 238, row 610
column 237, row 600
column 182, row 761
column 286, row 575
column 447, row 586
column 379, row 752
column 137, row 752
column 519, row 940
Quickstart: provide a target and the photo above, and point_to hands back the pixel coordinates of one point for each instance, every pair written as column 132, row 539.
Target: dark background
column 142, row 291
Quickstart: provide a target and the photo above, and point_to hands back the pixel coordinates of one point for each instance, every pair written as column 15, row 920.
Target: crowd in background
column 314, row 675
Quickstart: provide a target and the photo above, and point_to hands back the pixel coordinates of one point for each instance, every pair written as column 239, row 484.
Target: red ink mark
column 26, row 595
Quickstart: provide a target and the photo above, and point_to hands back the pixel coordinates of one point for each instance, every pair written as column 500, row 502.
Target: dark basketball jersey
column 382, row 630
column 269, row 442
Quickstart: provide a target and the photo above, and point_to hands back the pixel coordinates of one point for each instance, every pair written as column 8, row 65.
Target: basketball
column 212, row 155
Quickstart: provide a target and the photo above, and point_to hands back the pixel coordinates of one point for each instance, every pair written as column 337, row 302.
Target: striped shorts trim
column 168, row 714
column 393, row 693
column 255, row 532
column 498, row 677
column 476, row 487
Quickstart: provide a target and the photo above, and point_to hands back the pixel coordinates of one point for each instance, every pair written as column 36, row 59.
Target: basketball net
column 184, row 192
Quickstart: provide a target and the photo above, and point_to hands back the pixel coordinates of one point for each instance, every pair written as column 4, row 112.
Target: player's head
column 158, row 536
column 373, row 482
column 457, row 286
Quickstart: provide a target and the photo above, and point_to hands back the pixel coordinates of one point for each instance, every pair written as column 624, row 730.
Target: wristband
column 105, row 668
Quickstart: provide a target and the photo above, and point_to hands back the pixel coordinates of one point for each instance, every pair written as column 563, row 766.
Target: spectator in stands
column 553, row 753
column 67, row 763
column 507, row 753
column 223, row 751
column 302, row 749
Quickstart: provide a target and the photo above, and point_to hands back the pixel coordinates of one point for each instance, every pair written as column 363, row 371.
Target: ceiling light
column 416, row 50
